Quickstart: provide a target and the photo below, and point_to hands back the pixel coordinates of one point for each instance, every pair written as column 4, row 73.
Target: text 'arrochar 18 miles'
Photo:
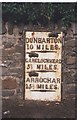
column 43, row 66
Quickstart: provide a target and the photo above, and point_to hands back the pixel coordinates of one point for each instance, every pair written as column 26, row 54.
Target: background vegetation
column 39, row 13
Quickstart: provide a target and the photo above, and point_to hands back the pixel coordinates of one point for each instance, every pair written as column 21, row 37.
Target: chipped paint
column 43, row 66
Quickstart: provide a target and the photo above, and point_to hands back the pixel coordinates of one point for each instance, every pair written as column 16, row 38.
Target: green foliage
column 39, row 13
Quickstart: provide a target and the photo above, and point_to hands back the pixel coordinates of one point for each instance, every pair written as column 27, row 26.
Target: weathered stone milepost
column 43, row 66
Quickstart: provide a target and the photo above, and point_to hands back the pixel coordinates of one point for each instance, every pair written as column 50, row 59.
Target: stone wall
column 69, row 63
column 12, row 62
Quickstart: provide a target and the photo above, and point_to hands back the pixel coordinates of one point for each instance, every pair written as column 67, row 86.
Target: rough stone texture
column 71, row 60
column 8, row 93
column 13, row 60
column 69, row 64
column 71, row 43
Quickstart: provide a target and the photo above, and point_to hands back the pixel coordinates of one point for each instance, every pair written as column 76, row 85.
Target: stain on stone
column 9, row 83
